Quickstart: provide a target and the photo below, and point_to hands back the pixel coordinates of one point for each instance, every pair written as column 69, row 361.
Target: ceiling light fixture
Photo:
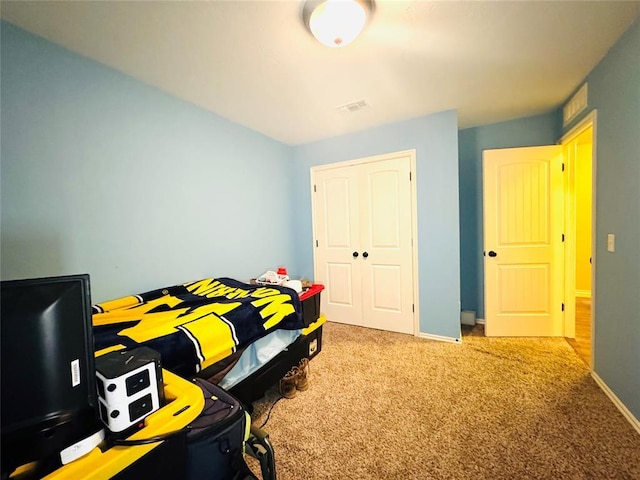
column 336, row 23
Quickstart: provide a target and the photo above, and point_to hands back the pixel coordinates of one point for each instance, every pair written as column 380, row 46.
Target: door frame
column 590, row 120
column 414, row 217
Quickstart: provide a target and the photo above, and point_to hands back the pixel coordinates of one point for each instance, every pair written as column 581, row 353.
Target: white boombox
column 129, row 386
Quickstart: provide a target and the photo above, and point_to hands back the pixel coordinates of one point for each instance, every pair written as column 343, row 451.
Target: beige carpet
column 389, row 406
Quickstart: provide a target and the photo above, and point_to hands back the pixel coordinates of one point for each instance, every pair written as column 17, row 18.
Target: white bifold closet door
column 363, row 250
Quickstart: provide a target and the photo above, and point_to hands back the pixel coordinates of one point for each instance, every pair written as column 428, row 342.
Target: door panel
column 523, row 241
column 384, row 209
column 337, row 200
column 339, row 276
column 337, row 230
column 524, row 288
column 387, row 288
column 387, row 299
column 523, row 210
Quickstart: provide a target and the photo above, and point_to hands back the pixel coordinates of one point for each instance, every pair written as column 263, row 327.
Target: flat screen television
column 49, row 398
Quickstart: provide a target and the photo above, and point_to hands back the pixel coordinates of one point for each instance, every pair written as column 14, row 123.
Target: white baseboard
column 617, row 402
column 439, row 338
column 480, row 321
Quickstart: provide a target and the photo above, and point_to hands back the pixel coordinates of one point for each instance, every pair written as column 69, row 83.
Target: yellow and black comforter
column 196, row 324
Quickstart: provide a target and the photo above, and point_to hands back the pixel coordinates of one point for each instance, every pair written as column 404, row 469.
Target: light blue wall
column 435, row 139
column 530, row 131
column 614, row 91
column 103, row 174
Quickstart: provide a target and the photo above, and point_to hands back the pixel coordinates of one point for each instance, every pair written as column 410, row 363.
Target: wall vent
column 575, row 105
column 353, row 106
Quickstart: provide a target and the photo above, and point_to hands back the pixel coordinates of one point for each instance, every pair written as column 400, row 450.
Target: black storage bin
column 311, row 303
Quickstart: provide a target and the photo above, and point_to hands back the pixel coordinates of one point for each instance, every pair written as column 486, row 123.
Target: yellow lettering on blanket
column 155, row 325
column 211, row 289
column 264, row 292
column 135, row 312
column 275, row 305
column 274, row 308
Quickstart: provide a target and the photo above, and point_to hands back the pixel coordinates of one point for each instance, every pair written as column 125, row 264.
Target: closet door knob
column 492, row 253
column 355, row 254
column 365, row 254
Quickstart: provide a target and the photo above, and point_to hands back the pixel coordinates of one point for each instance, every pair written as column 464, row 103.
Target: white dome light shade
column 336, row 23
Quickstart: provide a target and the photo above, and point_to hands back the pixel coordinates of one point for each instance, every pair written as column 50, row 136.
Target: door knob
column 365, row 254
column 355, row 254
column 492, row 253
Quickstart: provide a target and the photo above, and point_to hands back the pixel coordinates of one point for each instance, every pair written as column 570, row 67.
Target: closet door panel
column 337, row 233
column 385, row 237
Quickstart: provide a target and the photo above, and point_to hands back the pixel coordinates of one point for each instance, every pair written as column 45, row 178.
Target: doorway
column 510, row 295
column 578, row 147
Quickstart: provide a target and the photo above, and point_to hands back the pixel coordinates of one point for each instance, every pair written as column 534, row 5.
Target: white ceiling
column 253, row 62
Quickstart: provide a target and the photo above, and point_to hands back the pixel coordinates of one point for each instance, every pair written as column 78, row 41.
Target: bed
column 242, row 336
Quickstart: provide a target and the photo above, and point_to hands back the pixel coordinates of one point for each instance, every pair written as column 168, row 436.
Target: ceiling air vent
column 353, row 106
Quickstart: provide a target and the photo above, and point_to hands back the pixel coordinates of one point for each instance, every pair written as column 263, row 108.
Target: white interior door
column 363, row 222
column 385, row 240
column 336, row 217
column 523, row 214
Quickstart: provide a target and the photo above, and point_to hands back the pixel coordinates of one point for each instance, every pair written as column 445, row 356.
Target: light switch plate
column 611, row 242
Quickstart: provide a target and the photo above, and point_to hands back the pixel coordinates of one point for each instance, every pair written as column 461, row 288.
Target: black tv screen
column 49, row 399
